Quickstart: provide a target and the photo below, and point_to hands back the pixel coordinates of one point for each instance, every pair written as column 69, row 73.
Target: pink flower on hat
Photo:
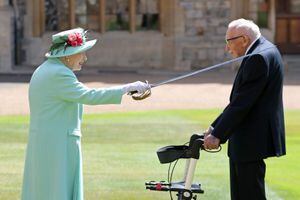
column 68, row 39
column 75, row 39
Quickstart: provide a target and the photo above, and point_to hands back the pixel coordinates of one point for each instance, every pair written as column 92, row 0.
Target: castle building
column 147, row 34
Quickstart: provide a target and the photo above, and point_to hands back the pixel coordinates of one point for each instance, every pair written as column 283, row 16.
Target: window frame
column 38, row 16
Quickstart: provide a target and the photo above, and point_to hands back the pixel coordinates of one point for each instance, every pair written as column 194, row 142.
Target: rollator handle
column 195, row 145
column 171, row 153
column 185, row 189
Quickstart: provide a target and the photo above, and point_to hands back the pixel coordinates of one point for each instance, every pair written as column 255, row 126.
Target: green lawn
column 119, row 151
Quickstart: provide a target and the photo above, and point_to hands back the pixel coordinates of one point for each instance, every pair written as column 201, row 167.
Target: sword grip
column 135, row 92
column 132, row 92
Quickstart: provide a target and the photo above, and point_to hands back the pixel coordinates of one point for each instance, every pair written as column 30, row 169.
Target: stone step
column 292, row 62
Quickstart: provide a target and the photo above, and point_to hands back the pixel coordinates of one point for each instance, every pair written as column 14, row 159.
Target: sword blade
column 205, row 69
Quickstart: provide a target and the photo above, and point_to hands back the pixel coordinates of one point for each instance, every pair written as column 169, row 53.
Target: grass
column 119, row 155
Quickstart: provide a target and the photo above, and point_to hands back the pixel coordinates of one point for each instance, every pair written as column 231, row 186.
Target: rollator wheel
column 187, row 194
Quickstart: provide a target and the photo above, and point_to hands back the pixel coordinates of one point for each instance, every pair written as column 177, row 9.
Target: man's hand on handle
column 211, row 142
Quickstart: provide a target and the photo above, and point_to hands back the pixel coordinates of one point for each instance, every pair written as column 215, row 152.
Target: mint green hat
column 69, row 42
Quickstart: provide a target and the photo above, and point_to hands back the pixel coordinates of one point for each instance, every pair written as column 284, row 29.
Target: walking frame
column 186, row 190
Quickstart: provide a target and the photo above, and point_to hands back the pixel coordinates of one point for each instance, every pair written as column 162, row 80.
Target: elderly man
column 253, row 121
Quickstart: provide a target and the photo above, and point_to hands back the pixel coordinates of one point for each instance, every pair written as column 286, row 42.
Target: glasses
column 233, row 38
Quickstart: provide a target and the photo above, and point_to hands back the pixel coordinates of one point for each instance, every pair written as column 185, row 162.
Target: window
column 262, row 13
column 288, row 7
column 295, row 6
column 117, row 15
column 99, row 15
column 147, row 15
column 57, row 14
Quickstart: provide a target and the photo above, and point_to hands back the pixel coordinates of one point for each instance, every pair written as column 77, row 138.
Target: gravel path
column 210, row 90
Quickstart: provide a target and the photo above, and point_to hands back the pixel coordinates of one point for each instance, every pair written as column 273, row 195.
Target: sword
column 146, row 94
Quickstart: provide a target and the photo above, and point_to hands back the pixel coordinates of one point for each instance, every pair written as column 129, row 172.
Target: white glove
column 138, row 86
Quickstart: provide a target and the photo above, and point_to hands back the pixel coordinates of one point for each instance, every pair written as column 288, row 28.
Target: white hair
column 247, row 27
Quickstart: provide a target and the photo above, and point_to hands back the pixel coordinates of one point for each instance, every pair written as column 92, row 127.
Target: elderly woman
column 53, row 166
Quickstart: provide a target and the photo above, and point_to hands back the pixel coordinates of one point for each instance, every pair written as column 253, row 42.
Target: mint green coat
column 53, row 165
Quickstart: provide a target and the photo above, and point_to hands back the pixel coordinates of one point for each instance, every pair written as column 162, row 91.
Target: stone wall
column 195, row 37
column 113, row 50
column 3, row 3
column 205, row 28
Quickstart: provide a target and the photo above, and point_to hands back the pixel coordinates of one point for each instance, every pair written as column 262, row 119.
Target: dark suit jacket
column 253, row 121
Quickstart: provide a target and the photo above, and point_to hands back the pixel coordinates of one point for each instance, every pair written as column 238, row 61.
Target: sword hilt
column 135, row 92
column 136, row 96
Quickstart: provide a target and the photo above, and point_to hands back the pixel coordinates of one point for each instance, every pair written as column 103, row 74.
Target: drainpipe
column 6, row 37
column 18, row 34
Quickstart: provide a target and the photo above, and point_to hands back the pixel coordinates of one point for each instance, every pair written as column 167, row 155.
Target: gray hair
column 247, row 27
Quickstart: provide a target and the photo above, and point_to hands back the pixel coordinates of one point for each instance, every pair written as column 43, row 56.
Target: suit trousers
column 247, row 180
